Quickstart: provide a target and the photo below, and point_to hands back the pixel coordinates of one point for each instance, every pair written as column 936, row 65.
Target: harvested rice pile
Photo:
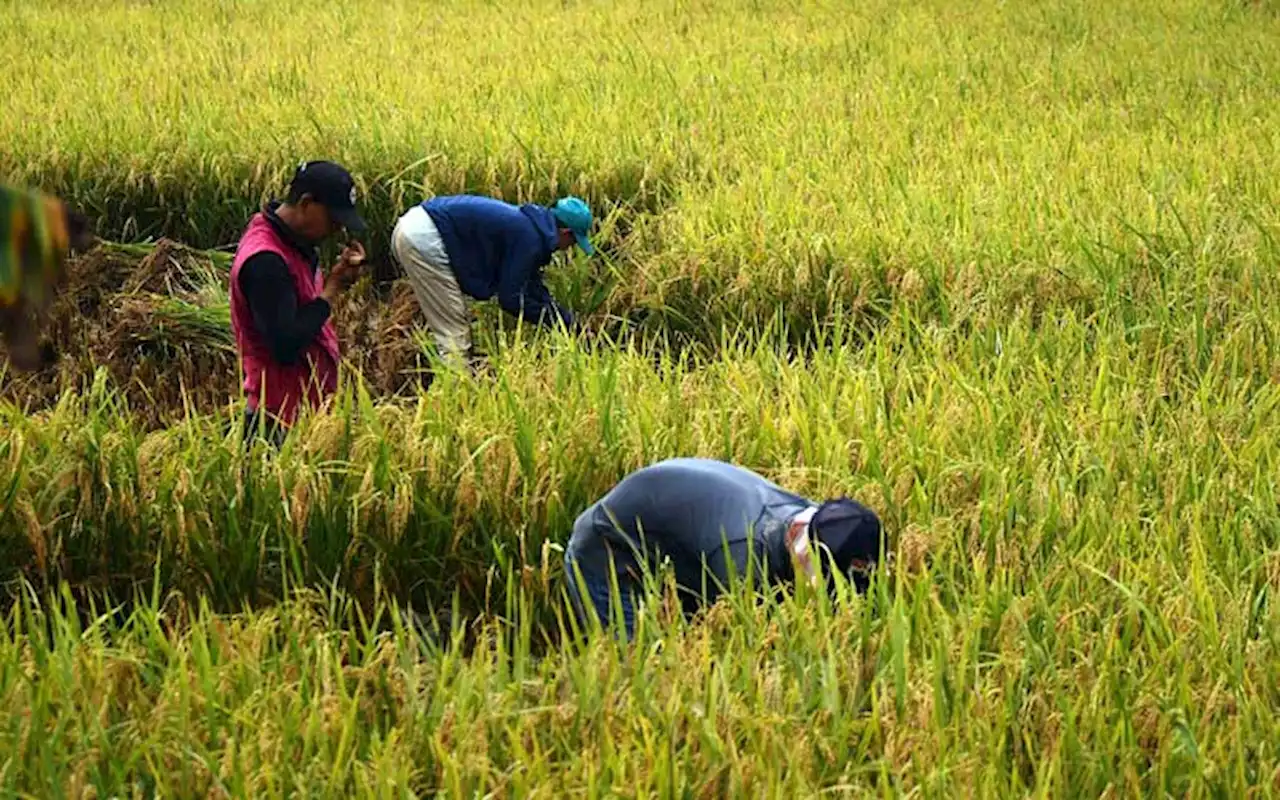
column 155, row 318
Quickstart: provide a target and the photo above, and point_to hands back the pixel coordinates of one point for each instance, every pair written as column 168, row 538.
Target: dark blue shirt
column 496, row 248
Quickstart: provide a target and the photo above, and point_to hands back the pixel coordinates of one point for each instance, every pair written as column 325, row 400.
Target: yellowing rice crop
column 1007, row 272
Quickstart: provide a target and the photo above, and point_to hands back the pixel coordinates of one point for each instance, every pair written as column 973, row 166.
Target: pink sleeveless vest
column 279, row 388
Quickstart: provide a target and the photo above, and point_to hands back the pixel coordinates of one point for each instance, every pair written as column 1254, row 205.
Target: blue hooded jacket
column 496, row 248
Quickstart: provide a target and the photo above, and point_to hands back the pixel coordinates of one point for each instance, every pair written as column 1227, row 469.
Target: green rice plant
column 749, row 159
column 1063, row 689
column 1004, row 272
column 175, row 323
column 1025, row 440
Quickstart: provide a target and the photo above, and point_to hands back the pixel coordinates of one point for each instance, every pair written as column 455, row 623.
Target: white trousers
column 417, row 246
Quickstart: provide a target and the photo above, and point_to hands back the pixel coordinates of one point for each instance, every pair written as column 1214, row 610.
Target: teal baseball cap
column 574, row 214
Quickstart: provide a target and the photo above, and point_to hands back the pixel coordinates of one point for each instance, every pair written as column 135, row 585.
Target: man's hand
column 352, row 254
column 345, row 272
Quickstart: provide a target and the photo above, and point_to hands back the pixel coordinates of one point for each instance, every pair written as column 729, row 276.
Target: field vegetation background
column 1005, row 271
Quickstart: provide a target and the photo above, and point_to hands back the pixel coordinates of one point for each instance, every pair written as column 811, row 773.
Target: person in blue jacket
column 710, row 519
column 453, row 247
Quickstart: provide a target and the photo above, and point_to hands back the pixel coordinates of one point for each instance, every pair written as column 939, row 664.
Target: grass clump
column 1004, row 272
column 1083, row 684
column 1020, row 444
column 745, row 156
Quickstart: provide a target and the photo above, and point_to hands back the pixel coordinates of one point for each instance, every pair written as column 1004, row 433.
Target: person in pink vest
column 281, row 302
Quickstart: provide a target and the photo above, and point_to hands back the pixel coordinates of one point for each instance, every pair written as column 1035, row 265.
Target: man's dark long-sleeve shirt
column 286, row 326
column 689, row 509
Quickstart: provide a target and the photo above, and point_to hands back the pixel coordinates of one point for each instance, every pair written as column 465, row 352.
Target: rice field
column 1006, row 272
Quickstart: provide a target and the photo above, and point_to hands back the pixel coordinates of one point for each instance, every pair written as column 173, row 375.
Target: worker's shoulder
column 472, row 204
column 259, row 268
column 262, row 268
column 689, row 467
column 686, row 461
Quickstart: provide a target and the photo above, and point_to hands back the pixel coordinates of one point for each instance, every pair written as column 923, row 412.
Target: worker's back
column 690, row 510
column 483, row 236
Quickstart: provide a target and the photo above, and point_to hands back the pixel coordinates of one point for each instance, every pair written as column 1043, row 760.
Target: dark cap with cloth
column 852, row 534
column 332, row 187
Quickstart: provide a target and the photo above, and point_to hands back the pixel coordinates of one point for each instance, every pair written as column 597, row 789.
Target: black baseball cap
column 851, row 531
column 331, row 186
